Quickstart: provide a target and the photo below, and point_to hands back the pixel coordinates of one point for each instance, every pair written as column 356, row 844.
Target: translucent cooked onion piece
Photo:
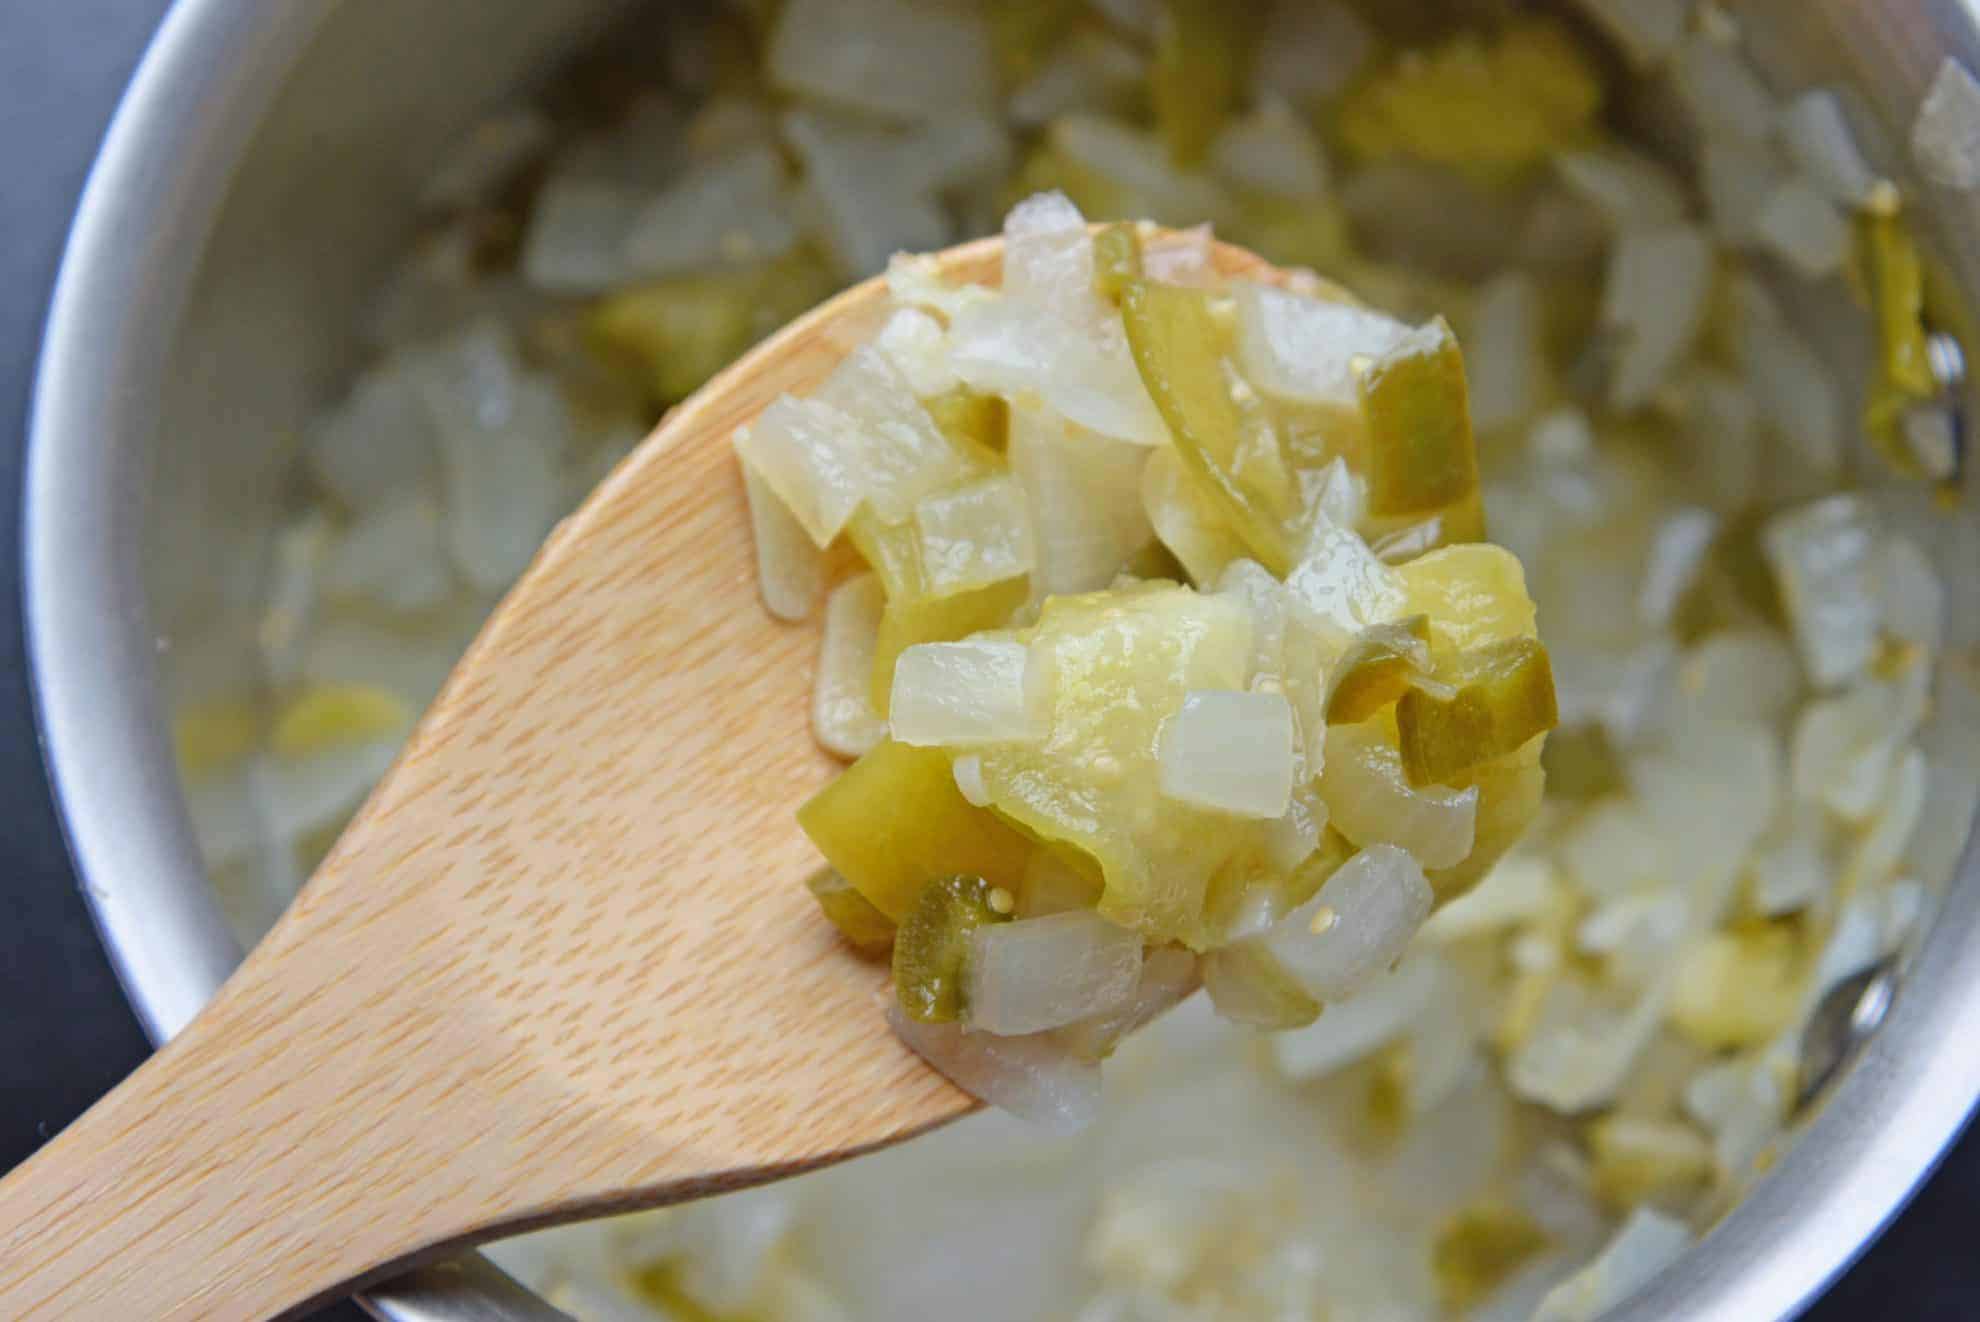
column 810, row 455
column 1303, row 350
column 1083, row 494
column 1036, row 974
column 790, row 569
column 1340, row 588
column 1817, row 135
column 1421, row 455
column 1372, row 802
column 967, row 694
column 1038, row 1079
column 1231, row 752
column 1354, row 1028
column 1249, row 986
column 1503, row 696
column 908, row 621
column 1654, row 300
column 1945, row 138
column 1357, row 926
column 1824, row 556
column 1169, row 976
column 1188, row 522
column 842, row 714
column 973, row 535
column 932, row 947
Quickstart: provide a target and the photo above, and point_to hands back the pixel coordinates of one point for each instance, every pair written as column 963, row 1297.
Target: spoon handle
column 275, row 1154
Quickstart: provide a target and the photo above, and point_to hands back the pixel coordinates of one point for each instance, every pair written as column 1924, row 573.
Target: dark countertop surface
column 65, row 1033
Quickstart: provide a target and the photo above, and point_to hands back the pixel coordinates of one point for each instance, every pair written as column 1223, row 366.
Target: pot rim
column 153, row 196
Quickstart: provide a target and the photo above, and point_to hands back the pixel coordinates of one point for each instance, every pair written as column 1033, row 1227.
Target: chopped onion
column 1794, row 869
column 1945, row 138
column 967, row 694
column 1091, row 70
column 1249, row 986
column 1340, row 587
column 1804, row 229
column 1710, row 797
column 1914, row 599
column 1036, row 1078
column 918, row 282
column 790, row 570
column 1271, row 151
column 728, row 212
column 1013, row 348
column 1502, row 357
column 577, row 235
column 1721, row 90
column 1168, row 977
column 869, row 205
column 1232, row 752
column 1304, row 349
column 1824, row 556
column 394, row 555
column 1036, row 974
column 1187, row 523
column 1654, row 299
column 917, row 345
column 1264, row 596
column 888, row 57
column 974, row 535
column 378, row 443
column 1631, row 190
column 1677, row 552
column 1137, row 163
column 1745, row 675
column 1647, row 1243
column 1612, row 850
column 903, row 455
column 809, row 454
column 1083, row 493
column 1844, row 747
column 1635, row 935
column 1738, row 179
column 1371, row 801
column 1358, row 924
column 967, row 772
column 1048, row 259
column 498, row 430
column 1519, row 889
column 842, row 715
column 1580, row 1059
column 1882, row 847
column 1351, row 1029
column 1817, row 135
column 1795, row 388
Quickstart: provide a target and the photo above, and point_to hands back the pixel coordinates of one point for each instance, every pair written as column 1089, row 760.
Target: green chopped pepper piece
column 1894, row 277
column 1421, row 454
column 1377, row 669
column 1504, row 695
column 1116, row 260
column 932, row 948
column 1221, row 431
column 1202, row 53
column 864, row 927
column 906, row 621
column 894, row 819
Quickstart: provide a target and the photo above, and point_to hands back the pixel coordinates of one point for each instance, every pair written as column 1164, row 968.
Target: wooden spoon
column 563, row 962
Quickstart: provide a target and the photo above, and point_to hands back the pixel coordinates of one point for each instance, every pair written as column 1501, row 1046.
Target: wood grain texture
column 562, row 962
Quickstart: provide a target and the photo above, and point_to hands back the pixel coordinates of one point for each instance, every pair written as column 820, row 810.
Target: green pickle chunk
column 1377, row 669
column 1221, row 431
column 864, row 927
column 932, row 947
column 1503, row 695
column 895, row 818
column 1422, row 456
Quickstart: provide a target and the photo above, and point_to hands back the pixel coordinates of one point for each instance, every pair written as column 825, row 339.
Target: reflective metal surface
column 260, row 172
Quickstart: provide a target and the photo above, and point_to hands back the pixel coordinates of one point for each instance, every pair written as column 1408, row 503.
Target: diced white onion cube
column 1041, row 973
column 964, row 695
column 1654, row 299
column 1357, row 926
column 1817, row 135
column 1305, row 349
column 1038, row 1078
column 974, row 535
column 1824, row 556
column 1230, row 751
column 842, row 714
column 811, row 455
column 1945, row 138
column 1804, row 229
column 790, row 569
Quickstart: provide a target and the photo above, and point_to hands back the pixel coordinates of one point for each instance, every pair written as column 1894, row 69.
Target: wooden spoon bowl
column 561, row 964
